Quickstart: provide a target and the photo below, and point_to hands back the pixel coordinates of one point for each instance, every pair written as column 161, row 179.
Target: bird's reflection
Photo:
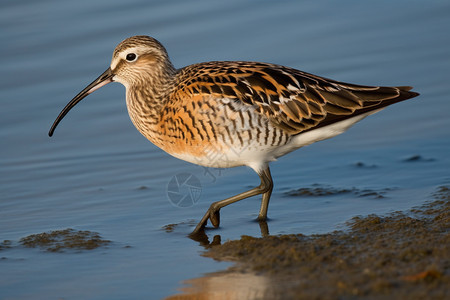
column 204, row 241
column 225, row 284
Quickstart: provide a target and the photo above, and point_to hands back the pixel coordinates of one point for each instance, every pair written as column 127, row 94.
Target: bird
column 225, row 114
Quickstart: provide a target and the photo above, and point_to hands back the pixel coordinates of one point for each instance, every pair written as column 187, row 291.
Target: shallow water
column 97, row 173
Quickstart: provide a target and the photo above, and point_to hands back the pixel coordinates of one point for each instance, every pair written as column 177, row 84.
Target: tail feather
column 372, row 100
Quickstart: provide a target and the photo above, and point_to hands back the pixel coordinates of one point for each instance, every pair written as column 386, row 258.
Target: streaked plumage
column 232, row 113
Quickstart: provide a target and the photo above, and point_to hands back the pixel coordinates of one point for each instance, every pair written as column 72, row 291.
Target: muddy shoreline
column 403, row 255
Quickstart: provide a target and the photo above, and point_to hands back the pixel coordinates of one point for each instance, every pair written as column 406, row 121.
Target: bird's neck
column 146, row 99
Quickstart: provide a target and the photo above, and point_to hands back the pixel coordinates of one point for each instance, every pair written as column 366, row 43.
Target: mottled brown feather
column 292, row 100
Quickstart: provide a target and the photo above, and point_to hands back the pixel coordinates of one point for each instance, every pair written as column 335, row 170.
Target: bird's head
column 138, row 60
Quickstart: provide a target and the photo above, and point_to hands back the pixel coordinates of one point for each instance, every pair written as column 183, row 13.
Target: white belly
column 255, row 154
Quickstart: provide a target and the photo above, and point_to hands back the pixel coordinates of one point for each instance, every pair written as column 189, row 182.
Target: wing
column 292, row 100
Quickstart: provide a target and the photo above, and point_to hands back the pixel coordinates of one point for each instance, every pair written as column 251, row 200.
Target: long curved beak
column 102, row 80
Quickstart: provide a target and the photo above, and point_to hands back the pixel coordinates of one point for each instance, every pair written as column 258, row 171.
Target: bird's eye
column 131, row 57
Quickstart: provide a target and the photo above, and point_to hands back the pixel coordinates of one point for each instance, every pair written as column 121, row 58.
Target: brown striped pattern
column 232, row 105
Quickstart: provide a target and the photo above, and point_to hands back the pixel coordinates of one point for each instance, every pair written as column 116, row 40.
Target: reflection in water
column 203, row 239
column 226, row 286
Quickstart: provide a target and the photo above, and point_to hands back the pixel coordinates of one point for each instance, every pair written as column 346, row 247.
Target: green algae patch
column 60, row 240
column 404, row 255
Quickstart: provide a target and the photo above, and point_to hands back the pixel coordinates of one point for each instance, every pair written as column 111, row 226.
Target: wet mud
column 320, row 190
column 61, row 240
column 403, row 255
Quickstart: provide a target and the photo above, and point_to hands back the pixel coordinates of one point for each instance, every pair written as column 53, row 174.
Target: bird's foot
column 213, row 214
column 214, row 217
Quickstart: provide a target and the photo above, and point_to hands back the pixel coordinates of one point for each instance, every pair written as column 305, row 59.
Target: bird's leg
column 264, row 188
column 266, row 196
column 264, row 228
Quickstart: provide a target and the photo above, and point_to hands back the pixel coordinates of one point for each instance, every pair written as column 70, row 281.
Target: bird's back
column 246, row 110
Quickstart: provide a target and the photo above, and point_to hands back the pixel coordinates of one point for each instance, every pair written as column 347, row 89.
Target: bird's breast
column 210, row 131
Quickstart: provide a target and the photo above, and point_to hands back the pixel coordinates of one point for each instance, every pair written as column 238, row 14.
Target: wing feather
column 292, row 100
